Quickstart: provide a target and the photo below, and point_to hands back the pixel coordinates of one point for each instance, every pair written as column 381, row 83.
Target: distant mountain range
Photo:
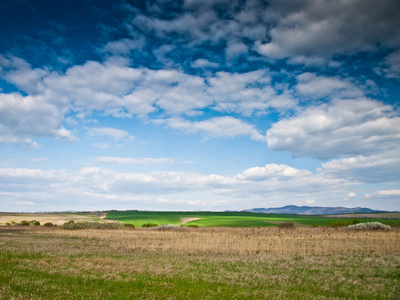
column 312, row 210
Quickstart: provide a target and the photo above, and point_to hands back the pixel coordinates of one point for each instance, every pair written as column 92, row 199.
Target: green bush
column 193, row 226
column 286, row 225
column 48, row 224
column 129, row 225
column 24, row 223
column 149, row 225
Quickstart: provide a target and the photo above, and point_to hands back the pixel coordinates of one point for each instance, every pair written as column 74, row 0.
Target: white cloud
column 92, row 184
column 392, row 63
column 247, row 93
column 228, row 127
column 204, row 63
column 385, row 193
column 381, row 167
column 272, row 172
column 125, row 160
column 342, row 128
column 113, row 88
column 123, row 46
column 311, row 85
column 19, row 117
column 106, row 137
column 38, row 159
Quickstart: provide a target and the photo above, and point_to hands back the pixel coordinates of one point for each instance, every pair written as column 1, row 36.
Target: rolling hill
column 312, row 210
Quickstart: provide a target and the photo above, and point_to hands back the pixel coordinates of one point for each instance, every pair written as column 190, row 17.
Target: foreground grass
column 38, row 263
column 230, row 219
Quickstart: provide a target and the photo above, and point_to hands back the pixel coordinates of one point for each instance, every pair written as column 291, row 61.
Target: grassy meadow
column 232, row 255
column 234, row 219
column 198, row 263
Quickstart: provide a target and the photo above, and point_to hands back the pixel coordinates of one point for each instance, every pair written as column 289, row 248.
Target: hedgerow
column 92, row 225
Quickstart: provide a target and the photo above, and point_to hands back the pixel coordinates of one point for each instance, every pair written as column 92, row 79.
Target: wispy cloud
column 125, row 160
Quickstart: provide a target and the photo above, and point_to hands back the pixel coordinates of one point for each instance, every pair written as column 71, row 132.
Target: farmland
column 231, row 219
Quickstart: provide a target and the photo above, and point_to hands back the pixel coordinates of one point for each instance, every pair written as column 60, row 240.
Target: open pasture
column 229, row 219
column 203, row 263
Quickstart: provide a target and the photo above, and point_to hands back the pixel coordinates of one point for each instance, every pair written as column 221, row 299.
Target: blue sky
column 199, row 104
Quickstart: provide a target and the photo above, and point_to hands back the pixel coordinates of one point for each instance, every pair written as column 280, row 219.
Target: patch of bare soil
column 186, row 220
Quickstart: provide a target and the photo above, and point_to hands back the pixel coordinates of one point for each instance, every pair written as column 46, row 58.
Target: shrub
column 8, row 224
column 193, row 226
column 48, row 224
column 92, row 225
column 369, row 226
column 33, row 222
column 315, row 225
column 149, row 225
column 169, row 227
column 129, row 225
column 286, row 225
column 24, row 223
column 37, row 223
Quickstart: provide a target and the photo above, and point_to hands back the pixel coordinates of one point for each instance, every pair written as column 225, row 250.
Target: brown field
column 241, row 241
column 217, row 263
column 55, row 218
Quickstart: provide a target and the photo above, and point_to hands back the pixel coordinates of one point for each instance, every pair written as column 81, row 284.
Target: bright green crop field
column 227, row 219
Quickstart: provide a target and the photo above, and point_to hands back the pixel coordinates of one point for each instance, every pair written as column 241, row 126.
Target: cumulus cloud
column 381, row 167
column 319, row 87
column 341, row 128
column 277, row 182
column 113, row 88
column 272, row 172
column 324, row 28
column 19, row 117
column 247, row 93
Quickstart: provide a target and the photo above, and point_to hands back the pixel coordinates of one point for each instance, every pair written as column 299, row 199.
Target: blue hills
column 312, row 210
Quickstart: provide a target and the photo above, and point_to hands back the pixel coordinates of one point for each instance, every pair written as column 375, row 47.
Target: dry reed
column 243, row 241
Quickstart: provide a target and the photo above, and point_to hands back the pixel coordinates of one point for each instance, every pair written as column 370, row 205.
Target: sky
column 194, row 105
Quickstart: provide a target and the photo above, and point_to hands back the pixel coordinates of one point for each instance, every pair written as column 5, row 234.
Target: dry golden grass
column 243, row 241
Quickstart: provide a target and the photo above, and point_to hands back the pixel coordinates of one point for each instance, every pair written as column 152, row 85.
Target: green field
column 228, row 219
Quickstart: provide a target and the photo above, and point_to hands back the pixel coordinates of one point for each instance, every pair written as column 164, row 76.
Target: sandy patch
column 186, row 220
